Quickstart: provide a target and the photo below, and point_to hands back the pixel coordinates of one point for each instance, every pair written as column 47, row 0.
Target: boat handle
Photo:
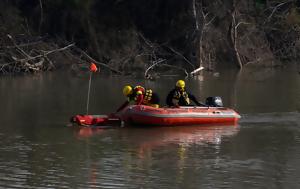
column 216, row 112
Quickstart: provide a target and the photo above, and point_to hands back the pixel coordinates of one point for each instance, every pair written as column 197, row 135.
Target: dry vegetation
column 147, row 37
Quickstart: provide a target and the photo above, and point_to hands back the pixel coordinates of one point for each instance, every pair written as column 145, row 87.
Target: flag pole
column 93, row 68
column 88, row 94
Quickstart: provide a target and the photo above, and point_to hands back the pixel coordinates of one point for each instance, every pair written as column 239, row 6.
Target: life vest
column 147, row 96
column 181, row 94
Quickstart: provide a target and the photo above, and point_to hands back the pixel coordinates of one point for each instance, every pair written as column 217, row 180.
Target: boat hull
column 146, row 115
column 98, row 121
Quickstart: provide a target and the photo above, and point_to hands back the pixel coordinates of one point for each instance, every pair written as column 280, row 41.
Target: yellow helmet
column 127, row 90
column 180, row 84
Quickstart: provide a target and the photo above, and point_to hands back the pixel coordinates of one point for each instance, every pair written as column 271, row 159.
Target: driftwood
column 196, row 71
column 18, row 56
column 21, row 59
column 35, row 56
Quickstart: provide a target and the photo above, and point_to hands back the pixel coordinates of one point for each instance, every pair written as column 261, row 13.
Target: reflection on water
column 160, row 136
column 39, row 151
column 145, row 148
column 183, row 136
column 84, row 132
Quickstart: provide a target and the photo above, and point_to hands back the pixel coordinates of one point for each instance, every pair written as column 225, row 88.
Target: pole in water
column 88, row 95
column 93, row 68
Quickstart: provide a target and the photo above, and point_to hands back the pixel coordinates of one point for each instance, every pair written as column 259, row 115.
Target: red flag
column 93, row 67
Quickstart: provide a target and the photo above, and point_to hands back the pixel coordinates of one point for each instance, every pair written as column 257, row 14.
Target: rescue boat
column 184, row 115
column 143, row 115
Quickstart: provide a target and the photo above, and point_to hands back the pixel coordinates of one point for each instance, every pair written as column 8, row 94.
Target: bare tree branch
column 154, row 64
column 184, row 58
column 274, row 10
column 97, row 62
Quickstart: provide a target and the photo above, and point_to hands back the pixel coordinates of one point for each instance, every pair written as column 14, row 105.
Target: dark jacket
column 177, row 97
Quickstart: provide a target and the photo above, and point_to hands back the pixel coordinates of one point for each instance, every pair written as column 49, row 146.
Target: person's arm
column 123, row 106
column 169, row 99
column 139, row 99
column 194, row 99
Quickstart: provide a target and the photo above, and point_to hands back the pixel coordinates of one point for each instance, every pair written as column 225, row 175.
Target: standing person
column 140, row 96
column 180, row 97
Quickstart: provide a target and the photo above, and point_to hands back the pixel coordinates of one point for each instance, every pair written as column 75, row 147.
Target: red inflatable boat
column 146, row 115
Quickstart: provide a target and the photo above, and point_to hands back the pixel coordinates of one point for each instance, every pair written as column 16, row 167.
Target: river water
column 39, row 150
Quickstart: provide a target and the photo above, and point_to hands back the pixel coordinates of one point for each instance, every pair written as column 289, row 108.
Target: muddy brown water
column 38, row 150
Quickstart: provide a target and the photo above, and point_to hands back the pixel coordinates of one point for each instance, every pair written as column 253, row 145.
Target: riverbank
column 125, row 37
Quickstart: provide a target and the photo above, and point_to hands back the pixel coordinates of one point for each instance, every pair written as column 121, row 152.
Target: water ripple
column 271, row 117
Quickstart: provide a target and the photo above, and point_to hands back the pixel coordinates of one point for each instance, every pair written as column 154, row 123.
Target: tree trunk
column 199, row 32
column 234, row 38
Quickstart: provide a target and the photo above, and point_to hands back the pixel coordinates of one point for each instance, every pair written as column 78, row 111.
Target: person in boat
column 180, row 97
column 140, row 96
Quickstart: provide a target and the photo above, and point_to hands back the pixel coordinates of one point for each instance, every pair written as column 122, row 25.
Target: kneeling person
column 180, row 97
column 140, row 96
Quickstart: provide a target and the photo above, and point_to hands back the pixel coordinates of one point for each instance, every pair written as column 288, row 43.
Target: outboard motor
column 214, row 101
